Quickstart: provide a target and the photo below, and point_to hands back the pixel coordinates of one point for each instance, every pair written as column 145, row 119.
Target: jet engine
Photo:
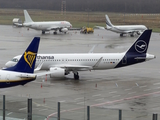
column 63, row 30
column 57, row 72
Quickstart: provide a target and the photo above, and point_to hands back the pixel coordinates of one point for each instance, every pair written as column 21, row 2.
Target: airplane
column 63, row 64
column 22, row 72
column 62, row 26
column 123, row 29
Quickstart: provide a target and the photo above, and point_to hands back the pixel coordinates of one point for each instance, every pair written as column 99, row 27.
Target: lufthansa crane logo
column 29, row 58
column 141, row 46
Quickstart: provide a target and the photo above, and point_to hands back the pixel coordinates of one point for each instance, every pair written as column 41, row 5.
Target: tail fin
column 27, row 17
column 141, row 44
column 108, row 22
column 137, row 53
column 26, row 63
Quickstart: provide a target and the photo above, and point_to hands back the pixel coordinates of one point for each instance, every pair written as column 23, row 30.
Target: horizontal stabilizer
column 140, row 58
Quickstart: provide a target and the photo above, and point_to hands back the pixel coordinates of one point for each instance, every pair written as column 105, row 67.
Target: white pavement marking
column 96, row 95
column 108, row 102
column 116, row 84
column 22, row 108
column 112, row 92
column 79, row 98
column 157, row 88
column 43, row 109
column 131, row 92
column 99, row 99
column 137, row 84
column 146, row 89
column 62, row 101
column 9, row 113
column 156, row 84
column 143, row 86
column 80, row 103
column 128, row 89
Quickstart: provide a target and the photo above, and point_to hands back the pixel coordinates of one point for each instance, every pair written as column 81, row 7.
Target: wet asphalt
column 133, row 89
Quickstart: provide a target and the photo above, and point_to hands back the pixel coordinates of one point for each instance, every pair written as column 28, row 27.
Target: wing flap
column 74, row 67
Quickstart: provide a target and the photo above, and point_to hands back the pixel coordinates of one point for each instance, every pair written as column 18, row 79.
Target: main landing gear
column 76, row 76
column 132, row 35
column 55, row 33
column 121, row 35
column 43, row 32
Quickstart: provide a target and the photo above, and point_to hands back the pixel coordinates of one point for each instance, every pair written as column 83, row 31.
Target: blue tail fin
column 141, row 44
column 26, row 63
column 137, row 52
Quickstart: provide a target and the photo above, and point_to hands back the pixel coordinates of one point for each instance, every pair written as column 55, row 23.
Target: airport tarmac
column 134, row 89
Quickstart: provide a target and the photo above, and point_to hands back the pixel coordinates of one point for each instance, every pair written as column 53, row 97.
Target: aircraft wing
column 66, row 67
column 74, row 67
column 99, row 27
column 39, row 74
column 53, row 28
column 69, row 67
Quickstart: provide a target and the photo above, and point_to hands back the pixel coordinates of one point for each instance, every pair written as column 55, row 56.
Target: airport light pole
column 88, row 10
column 124, row 12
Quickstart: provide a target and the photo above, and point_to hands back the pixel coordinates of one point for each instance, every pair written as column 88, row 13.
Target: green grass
column 80, row 19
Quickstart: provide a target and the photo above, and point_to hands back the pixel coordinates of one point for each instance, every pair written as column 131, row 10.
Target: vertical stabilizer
column 141, row 44
column 26, row 63
column 108, row 22
column 27, row 17
column 138, row 51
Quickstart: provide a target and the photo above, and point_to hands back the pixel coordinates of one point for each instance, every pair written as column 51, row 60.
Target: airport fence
column 13, row 108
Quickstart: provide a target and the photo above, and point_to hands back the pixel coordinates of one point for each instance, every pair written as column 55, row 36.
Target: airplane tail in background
column 26, row 63
column 108, row 22
column 141, row 44
column 27, row 17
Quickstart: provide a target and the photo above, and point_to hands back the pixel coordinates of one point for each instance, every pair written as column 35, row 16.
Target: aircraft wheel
column 132, row 35
column 121, row 35
column 43, row 32
column 76, row 76
column 55, row 33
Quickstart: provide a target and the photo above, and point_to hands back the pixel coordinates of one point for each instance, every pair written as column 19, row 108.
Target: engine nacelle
column 63, row 30
column 57, row 72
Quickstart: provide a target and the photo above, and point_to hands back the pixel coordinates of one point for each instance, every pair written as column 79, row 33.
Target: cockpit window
column 14, row 60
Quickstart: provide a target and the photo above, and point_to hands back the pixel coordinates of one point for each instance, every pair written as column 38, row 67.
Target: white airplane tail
column 108, row 22
column 27, row 17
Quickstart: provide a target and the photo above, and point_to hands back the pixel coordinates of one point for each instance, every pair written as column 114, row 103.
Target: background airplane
column 123, row 29
column 22, row 72
column 62, row 26
column 62, row 64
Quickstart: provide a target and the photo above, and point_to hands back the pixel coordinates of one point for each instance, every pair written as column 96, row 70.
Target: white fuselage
column 108, row 61
column 125, row 29
column 47, row 26
column 10, row 78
